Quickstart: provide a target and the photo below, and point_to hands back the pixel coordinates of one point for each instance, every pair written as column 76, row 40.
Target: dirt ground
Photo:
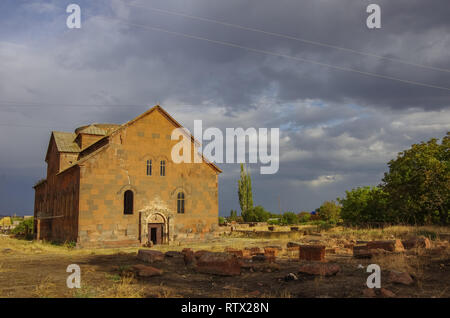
column 32, row 269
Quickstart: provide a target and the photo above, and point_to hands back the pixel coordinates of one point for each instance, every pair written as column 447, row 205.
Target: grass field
column 33, row 269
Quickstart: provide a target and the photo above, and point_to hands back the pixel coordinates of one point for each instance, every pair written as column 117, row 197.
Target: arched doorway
column 154, row 227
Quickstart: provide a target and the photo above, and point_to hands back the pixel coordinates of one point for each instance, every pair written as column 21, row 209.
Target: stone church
column 116, row 185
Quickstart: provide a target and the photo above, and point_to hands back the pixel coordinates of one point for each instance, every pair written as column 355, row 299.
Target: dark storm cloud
column 338, row 128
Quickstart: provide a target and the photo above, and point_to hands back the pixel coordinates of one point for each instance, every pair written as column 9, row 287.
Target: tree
column 418, row 183
column 245, row 190
column 304, row 216
column 364, row 205
column 289, row 218
column 329, row 211
column 25, row 228
column 256, row 214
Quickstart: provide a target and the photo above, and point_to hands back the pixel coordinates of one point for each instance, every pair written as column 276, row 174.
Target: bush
column 330, row 212
column 24, row 229
column 289, row 218
column 256, row 214
column 304, row 217
column 364, row 205
column 273, row 221
column 418, row 183
column 222, row 220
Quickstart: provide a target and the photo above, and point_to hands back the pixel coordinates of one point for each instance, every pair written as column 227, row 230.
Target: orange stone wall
column 121, row 166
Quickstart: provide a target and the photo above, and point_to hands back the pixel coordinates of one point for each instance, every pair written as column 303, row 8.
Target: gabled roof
column 65, row 141
column 174, row 122
column 93, row 130
column 111, row 129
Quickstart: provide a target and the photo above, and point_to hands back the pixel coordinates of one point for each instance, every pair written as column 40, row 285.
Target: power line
column 7, row 104
column 287, row 37
column 230, row 44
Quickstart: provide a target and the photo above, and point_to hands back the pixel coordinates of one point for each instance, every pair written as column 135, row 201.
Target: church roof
column 65, row 141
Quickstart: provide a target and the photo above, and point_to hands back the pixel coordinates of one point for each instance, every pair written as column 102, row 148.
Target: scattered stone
column 246, row 264
column 294, row 228
column 400, row 278
column 218, row 264
column 391, row 246
column 322, row 269
column 349, row 245
column 150, row 256
column 188, row 256
column 173, row 254
column 341, row 250
column 198, row 254
column 361, row 251
column 369, row 292
column 253, row 250
column 259, row 258
column 420, row 241
column 330, row 251
column 436, row 251
column 266, row 267
column 278, row 247
column 386, row 293
column 312, row 252
column 238, row 253
column 270, row 252
column 271, row 228
column 292, row 244
column 147, row 271
column 290, row 277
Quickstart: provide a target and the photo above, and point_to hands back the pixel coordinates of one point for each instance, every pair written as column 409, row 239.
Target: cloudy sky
column 338, row 127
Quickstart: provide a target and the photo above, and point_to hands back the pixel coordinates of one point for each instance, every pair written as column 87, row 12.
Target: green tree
column 418, row 183
column 233, row 215
column 245, row 190
column 330, row 211
column 364, row 205
column 289, row 218
column 256, row 214
column 304, row 216
column 25, row 228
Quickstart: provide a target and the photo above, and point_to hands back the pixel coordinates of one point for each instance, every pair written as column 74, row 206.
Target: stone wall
column 121, row 166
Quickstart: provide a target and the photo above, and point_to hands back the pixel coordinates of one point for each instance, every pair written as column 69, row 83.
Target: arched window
column 128, row 202
column 180, row 202
column 163, row 168
column 149, row 167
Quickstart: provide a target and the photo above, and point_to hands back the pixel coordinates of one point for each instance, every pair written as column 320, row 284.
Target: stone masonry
column 89, row 171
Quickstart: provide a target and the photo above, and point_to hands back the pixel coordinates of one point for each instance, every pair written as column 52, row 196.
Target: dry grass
column 126, row 287
column 100, row 280
column 398, row 231
column 24, row 247
column 45, row 288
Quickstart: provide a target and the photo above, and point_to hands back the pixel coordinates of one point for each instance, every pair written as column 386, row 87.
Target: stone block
column 391, row 245
column 150, row 256
column 312, row 252
column 222, row 264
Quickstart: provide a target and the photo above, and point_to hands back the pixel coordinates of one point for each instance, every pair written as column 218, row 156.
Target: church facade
column 116, row 185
